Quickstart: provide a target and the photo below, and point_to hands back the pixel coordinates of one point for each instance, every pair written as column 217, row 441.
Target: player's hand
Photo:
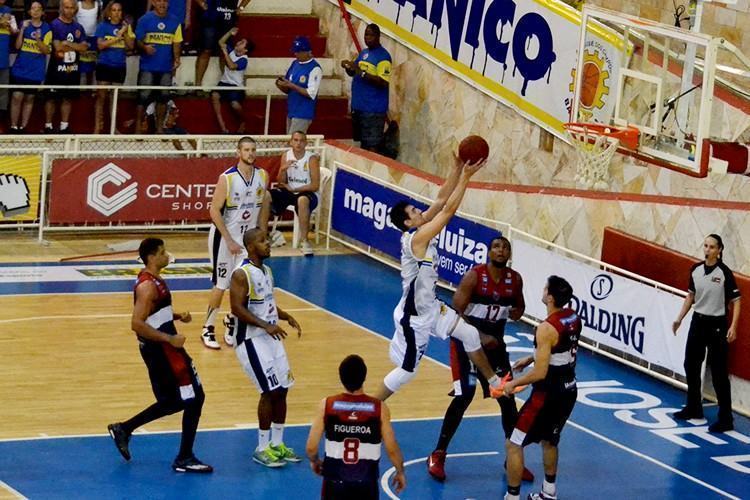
column 398, row 481
column 317, row 466
column 522, row 363
column 469, row 169
column 234, row 31
column 508, row 387
column 347, row 65
column 293, row 323
column 149, row 49
column 177, row 340
column 186, row 317
column 676, row 326
column 234, row 248
column 731, row 334
column 25, row 24
column 488, row 341
column 276, row 332
column 176, row 64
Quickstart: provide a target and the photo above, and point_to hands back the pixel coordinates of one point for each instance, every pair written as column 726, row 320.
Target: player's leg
column 718, row 354
column 530, row 425
column 451, row 324
column 186, row 460
column 464, row 388
column 695, row 352
column 256, row 358
column 283, row 374
column 219, row 256
column 406, row 350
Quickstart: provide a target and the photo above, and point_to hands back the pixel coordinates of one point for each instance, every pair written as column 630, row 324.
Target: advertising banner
column 360, row 210
column 20, row 177
column 137, row 190
column 618, row 312
column 522, row 53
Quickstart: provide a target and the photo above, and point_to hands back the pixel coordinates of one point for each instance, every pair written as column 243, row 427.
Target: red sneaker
column 436, row 465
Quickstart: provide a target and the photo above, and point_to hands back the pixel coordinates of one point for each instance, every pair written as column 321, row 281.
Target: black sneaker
column 721, row 426
column 191, row 464
column 121, row 439
column 688, row 414
column 49, row 130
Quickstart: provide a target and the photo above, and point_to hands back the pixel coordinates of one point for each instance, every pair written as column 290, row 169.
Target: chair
column 325, row 178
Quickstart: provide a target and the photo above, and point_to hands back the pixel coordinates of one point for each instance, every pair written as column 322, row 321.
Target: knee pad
column 397, row 378
column 467, row 335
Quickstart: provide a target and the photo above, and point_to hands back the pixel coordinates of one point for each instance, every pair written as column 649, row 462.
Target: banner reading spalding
column 618, row 312
column 524, row 53
column 19, row 187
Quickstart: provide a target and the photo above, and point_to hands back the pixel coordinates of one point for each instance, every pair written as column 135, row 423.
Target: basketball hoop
column 595, row 145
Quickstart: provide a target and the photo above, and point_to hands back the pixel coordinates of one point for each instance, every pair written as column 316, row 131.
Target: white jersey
column 418, row 281
column 88, row 19
column 244, row 200
column 260, row 300
column 298, row 172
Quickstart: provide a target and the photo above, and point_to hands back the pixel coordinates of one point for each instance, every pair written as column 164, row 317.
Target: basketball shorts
column 543, row 416
column 223, row 262
column 171, row 371
column 465, row 373
column 264, row 360
column 361, row 490
column 413, row 333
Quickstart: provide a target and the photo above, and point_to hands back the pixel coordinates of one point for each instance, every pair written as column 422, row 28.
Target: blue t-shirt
column 299, row 106
column 367, row 97
column 221, row 12
column 65, row 62
column 161, row 32
column 116, row 54
column 4, row 39
column 31, row 62
column 178, row 9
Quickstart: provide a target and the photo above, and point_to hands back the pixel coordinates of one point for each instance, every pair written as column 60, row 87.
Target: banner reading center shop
column 131, row 190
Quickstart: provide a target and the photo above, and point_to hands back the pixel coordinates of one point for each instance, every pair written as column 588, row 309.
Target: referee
column 712, row 287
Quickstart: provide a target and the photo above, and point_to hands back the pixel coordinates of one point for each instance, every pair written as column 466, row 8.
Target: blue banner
column 361, row 210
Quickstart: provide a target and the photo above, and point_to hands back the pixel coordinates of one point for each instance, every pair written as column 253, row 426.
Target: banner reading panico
column 19, row 187
column 523, row 53
column 138, row 190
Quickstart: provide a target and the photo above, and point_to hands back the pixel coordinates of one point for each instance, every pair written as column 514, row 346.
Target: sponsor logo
column 353, row 406
column 14, row 195
column 626, row 328
column 108, row 205
column 601, row 286
column 161, row 26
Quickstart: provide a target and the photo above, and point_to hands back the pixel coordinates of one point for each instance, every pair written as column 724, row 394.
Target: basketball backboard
column 662, row 83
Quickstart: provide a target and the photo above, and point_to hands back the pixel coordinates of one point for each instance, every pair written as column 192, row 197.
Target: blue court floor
column 619, row 443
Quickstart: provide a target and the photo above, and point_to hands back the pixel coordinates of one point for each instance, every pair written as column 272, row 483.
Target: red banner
column 138, row 190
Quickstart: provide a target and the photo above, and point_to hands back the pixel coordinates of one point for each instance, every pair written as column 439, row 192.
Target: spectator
column 68, row 42
column 298, row 184
column 372, row 72
column 34, row 42
column 113, row 37
column 159, row 38
column 88, row 15
column 216, row 17
column 8, row 28
column 234, row 78
column 301, row 84
column 176, row 8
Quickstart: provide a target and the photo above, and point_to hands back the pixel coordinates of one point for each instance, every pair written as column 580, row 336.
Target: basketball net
column 595, row 152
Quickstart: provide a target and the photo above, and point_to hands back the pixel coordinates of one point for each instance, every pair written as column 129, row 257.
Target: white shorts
column 223, row 262
column 264, row 360
column 410, row 341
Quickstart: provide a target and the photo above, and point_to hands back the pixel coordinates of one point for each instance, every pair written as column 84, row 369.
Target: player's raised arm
column 445, row 190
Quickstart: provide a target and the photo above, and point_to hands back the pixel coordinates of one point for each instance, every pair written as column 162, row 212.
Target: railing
column 116, row 90
column 348, row 20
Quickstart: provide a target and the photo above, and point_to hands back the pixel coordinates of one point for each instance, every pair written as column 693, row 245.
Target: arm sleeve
column 178, row 35
column 313, row 85
column 731, row 290
column 99, row 33
column 140, row 30
column 691, row 283
column 384, row 70
column 241, row 63
column 47, row 38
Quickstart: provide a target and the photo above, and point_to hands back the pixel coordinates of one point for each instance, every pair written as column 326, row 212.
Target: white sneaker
column 277, row 239
column 306, row 248
column 208, row 338
column 229, row 332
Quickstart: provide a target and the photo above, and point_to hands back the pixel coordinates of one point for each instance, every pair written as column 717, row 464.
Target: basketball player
column 355, row 424
column 488, row 295
column 419, row 314
column 240, row 202
column 543, row 416
column 259, row 348
column 173, row 377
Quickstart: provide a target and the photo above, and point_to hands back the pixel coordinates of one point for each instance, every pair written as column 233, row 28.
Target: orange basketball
column 589, row 83
column 473, row 149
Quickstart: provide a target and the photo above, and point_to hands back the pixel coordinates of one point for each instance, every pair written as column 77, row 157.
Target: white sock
column 211, row 317
column 63, row 125
column 263, row 438
column 277, row 434
column 48, row 125
column 508, row 496
column 549, row 488
column 494, row 381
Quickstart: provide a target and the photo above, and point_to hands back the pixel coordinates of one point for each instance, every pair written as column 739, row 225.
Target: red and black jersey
column 562, row 363
column 352, row 438
column 490, row 298
column 161, row 316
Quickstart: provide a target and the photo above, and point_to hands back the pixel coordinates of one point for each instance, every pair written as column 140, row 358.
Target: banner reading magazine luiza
column 522, row 53
column 360, row 209
column 618, row 312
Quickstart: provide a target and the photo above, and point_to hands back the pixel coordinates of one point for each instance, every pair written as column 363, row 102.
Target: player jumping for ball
column 419, row 314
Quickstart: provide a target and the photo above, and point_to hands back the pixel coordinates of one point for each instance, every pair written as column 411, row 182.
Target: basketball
column 473, row 149
column 589, row 84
